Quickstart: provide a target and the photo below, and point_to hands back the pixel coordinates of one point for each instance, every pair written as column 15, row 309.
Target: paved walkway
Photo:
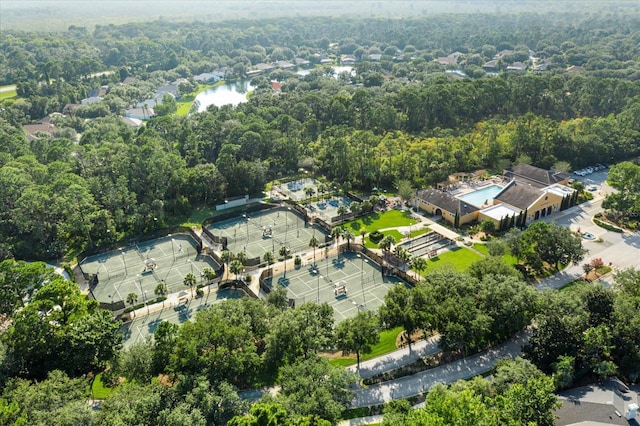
column 466, row 368
column 398, row 358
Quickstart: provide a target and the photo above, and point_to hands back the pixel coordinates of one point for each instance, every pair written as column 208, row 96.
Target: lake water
column 227, row 94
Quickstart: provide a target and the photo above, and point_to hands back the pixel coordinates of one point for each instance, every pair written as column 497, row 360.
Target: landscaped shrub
column 376, row 236
column 607, row 226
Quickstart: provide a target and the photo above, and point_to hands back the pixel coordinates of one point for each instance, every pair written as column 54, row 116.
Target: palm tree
column 226, row 256
column 236, row 267
column 402, row 254
column 284, row 252
column 209, row 274
column 342, row 210
column 313, row 242
column 268, row 257
column 419, row 264
column 189, row 281
column 132, row 299
column 386, row 243
column 336, row 233
column 161, row 290
column 241, row 256
column 355, row 207
column 348, row 235
column 309, row 191
column 363, row 232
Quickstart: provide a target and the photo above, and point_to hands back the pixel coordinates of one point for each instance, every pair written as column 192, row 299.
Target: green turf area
column 377, row 221
column 458, row 258
column 419, row 232
column 507, row 258
column 98, row 389
column 482, row 248
column 396, row 234
column 8, row 94
column 198, row 215
column 186, row 101
column 386, row 344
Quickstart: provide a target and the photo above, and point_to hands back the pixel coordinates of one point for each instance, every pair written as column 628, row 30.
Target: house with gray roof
column 535, row 176
column 604, row 404
column 439, row 203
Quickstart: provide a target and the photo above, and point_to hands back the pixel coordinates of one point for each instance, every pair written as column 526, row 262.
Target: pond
column 227, row 94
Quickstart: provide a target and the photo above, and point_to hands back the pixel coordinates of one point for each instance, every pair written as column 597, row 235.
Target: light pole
column 173, row 250
column 286, row 228
column 191, row 263
column 362, row 260
column 144, row 299
column 125, row 263
column 318, row 299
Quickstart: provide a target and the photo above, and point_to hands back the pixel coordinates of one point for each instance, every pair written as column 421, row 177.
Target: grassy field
column 198, row 215
column 376, row 221
column 369, row 244
column 387, row 344
column 186, row 101
column 8, row 94
column 507, row 258
column 458, row 258
column 98, row 389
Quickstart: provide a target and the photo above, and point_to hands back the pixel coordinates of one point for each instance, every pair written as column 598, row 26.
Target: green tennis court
column 143, row 327
column 139, row 268
column 361, row 277
column 267, row 230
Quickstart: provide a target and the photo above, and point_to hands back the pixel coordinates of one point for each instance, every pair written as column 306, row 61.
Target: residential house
column 265, row 67
column 375, row 57
column 210, row 77
column 492, row 65
column 32, row 130
column 517, row 67
column 575, row 68
column 90, row 100
column 302, row 62
column 133, row 122
column 285, row 65
column 140, row 113
column 608, row 403
column 326, row 61
column 347, row 59
column 447, row 60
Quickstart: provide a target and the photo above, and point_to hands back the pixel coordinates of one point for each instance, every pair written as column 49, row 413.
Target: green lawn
column 369, row 244
column 198, row 215
column 458, row 258
column 507, row 258
column 8, row 94
column 376, row 221
column 98, row 389
column 186, row 101
column 386, row 344
column 482, row 248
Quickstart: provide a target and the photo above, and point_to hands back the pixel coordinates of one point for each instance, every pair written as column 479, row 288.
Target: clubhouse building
column 523, row 193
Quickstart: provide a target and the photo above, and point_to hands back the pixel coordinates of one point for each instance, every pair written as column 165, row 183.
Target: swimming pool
column 478, row 198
